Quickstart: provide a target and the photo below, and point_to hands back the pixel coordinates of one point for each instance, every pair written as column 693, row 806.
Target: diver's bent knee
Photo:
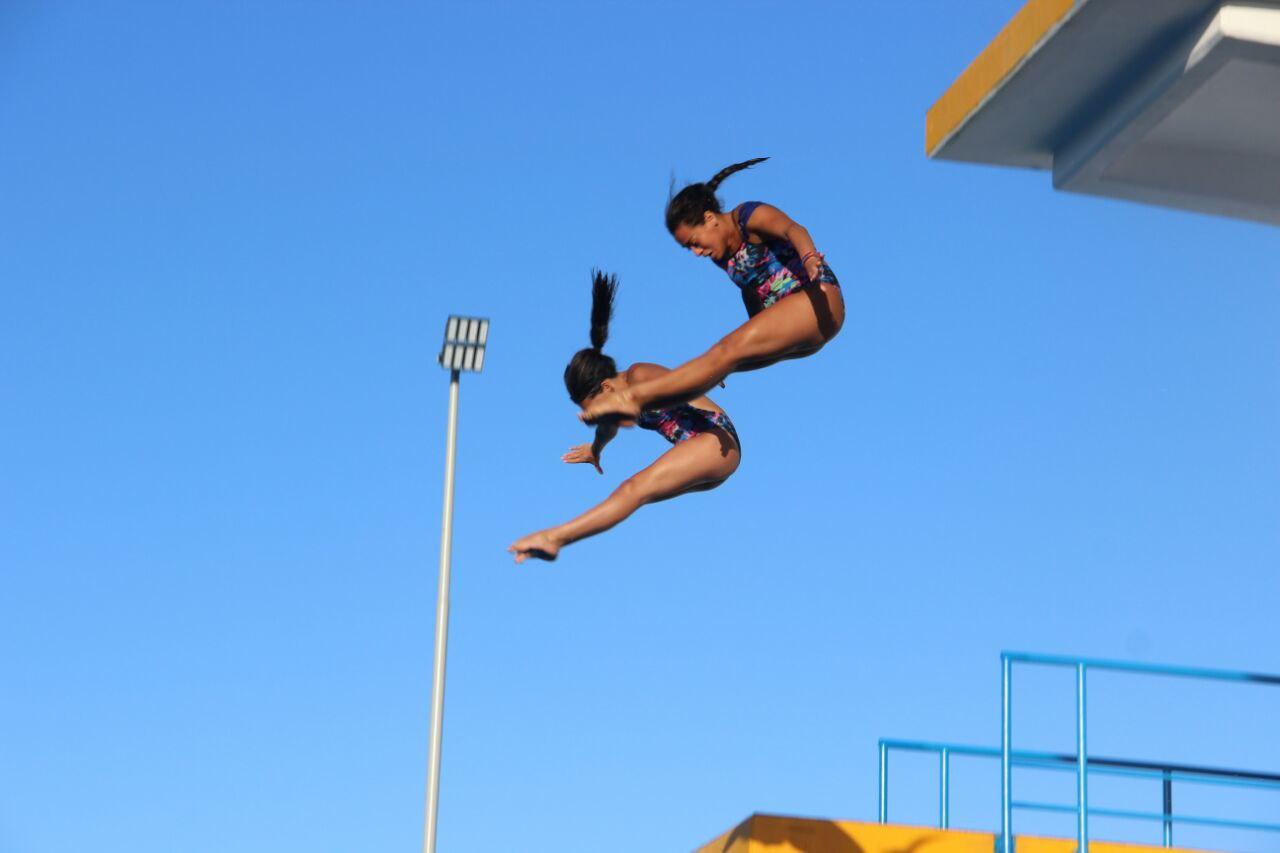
column 630, row 489
column 639, row 489
column 831, row 325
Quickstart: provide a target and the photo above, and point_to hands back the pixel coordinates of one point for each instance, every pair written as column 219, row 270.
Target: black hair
column 589, row 367
column 688, row 206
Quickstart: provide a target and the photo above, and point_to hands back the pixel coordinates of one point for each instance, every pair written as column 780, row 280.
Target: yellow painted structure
column 775, row 834
column 1034, row 23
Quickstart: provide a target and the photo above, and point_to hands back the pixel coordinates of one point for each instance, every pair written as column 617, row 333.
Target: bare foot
column 538, row 545
column 614, row 406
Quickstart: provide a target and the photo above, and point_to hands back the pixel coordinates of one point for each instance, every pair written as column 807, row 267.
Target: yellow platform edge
column 763, row 833
column 1033, row 23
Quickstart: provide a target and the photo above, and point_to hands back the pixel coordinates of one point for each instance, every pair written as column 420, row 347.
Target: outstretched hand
column 582, row 453
column 538, row 546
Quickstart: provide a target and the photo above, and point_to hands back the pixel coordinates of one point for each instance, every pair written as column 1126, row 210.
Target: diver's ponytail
column 690, row 205
column 718, row 178
column 590, row 367
column 603, row 288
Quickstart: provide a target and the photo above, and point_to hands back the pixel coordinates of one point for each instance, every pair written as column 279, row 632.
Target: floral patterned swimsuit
column 765, row 272
column 683, row 422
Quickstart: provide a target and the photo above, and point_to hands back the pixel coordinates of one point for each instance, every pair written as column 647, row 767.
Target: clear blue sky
column 229, row 236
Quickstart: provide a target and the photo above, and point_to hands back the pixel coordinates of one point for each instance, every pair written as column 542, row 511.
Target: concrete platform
column 1167, row 102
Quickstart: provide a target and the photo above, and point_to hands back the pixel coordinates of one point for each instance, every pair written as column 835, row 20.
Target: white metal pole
column 442, row 625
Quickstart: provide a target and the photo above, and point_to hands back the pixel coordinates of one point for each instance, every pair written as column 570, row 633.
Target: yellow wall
column 774, row 834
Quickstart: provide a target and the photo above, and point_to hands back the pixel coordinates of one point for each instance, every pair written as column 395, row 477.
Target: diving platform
column 763, row 833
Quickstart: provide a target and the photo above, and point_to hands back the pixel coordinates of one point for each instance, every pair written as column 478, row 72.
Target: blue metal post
column 1168, row 808
column 884, row 782
column 1006, row 757
column 1082, row 767
column 944, row 785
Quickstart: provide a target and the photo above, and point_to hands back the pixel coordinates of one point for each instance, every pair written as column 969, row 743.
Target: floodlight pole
column 442, row 624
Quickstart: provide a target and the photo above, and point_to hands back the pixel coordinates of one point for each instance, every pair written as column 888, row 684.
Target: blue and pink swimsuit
column 767, row 271
column 683, row 422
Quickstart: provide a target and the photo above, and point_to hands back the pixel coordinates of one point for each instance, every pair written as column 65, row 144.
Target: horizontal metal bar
column 1188, row 769
column 1242, row 779
column 1200, row 821
column 1189, row 778
column 1043, row 807
column 1147, row 668
column 1153, row 816
column 930, row 746
column 1147, row 769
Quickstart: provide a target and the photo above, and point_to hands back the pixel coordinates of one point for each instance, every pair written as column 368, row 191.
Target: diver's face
column 707, row 239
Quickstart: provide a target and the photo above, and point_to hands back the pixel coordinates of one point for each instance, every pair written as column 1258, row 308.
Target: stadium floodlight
column 464, row 342
column 465, row 339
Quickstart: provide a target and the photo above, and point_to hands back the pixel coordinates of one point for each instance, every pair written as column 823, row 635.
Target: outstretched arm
column 590, row 453
column 604, row 434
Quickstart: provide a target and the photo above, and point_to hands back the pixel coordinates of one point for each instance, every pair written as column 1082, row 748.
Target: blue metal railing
column 1080, row 762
